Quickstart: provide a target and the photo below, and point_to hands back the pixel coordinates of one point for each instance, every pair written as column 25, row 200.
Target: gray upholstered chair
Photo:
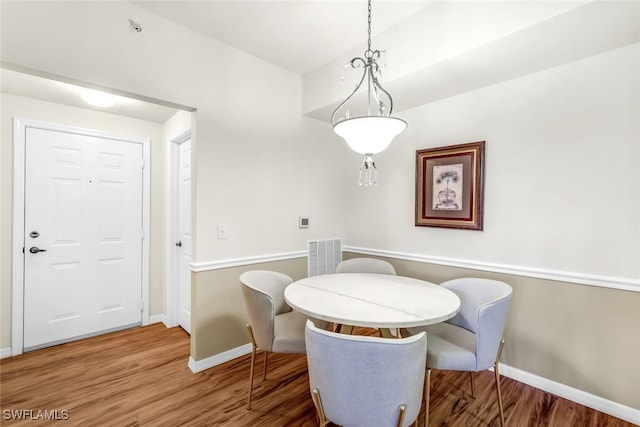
column 364, row 381
column 365, row 265
column 273, row 326
column 472, row 340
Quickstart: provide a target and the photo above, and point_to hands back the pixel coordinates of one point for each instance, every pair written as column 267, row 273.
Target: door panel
column 83, row 195
column 184, row 233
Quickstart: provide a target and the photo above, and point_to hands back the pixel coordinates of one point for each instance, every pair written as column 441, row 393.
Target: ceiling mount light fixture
column 97, row 98
column 372, row 132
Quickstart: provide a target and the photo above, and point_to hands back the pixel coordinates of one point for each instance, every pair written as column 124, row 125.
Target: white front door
column 83, row 236
column 184, row 234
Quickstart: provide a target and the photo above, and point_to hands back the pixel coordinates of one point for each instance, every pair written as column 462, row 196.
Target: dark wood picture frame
column 450, row 186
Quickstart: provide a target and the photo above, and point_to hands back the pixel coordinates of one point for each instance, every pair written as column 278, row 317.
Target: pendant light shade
column 371, row 131
column 369, row 134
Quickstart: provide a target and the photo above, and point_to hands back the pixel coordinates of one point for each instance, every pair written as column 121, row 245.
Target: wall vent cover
column 324, row 256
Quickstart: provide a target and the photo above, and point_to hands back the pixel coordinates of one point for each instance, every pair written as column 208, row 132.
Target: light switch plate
column 223, row 231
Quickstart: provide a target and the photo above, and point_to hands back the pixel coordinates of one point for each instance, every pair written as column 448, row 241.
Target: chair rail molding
column 611, row 282
column 198, row 267
column 621, row 283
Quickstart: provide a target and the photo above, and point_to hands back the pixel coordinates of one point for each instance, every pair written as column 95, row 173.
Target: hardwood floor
column 140, row 377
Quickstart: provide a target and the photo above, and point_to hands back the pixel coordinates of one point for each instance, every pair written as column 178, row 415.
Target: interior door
column 83, row 236
column 184, row 234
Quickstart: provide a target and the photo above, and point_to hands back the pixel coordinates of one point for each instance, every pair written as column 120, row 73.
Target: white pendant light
column 371, row 133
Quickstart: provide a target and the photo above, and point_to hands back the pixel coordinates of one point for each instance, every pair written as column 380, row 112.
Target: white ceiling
column 289, row 34
column 304, row 35
column 299, row 35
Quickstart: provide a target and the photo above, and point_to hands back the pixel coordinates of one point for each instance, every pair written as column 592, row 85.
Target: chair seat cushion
column 451, row 348
column 289, row 332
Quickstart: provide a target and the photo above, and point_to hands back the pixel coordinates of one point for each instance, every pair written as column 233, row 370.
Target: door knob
column 35, row 250
column 179, row 243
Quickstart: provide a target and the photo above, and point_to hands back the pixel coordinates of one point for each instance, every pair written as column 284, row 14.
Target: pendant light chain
column 369, row 28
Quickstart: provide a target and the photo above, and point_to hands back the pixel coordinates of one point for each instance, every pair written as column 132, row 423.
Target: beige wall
column 17, row 106
column 218, row 312
column 585, row 337
column 582, row 336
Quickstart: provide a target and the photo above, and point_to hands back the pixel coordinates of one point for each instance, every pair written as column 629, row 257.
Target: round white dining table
column 379, row 301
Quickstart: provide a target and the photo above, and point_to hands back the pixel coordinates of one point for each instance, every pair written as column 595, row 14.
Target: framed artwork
column 450, row 186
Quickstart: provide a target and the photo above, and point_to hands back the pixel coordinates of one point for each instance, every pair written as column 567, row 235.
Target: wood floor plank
column 140, row 377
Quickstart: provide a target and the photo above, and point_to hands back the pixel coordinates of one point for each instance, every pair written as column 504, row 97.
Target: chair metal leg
column 317, row 402
column 401, row 415
column 473, row 391
column 254, row 348
column 497, row 374
column 264, row 368
column 427, row 393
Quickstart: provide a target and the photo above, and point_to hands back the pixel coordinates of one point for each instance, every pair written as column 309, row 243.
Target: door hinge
column 141, row 305
column 142, row 163
column 142, row 234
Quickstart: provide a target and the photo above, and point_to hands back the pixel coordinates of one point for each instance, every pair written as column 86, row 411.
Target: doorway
column 81, row 221
column 180, row 211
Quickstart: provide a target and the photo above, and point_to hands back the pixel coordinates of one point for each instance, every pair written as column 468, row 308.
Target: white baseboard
column 5, row 352
column 218, row 359
column 583, row 398
column 159, row 318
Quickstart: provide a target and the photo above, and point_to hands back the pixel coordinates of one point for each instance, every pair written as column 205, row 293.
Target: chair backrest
column 483, row 311
column 263, row 293
column 363, row 380
column 365, row 265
